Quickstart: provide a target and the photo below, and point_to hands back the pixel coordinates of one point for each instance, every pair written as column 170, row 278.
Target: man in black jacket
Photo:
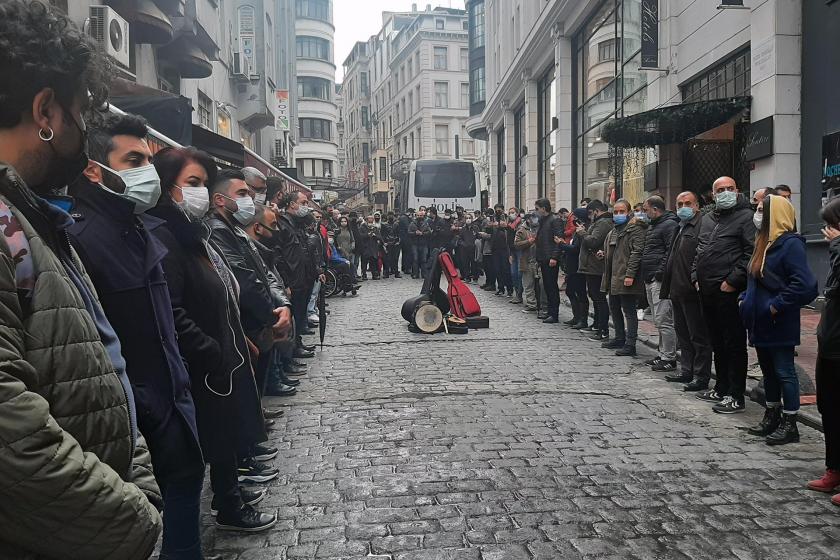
column 727, row 239
column 548, row 256
column 689, row 324
column 124, row 260
column 391, row 239
column 658, row 240
column 405, row 240
column 298, row 268
column 592, row 267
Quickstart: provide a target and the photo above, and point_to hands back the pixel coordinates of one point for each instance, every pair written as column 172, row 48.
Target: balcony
column 149, row 24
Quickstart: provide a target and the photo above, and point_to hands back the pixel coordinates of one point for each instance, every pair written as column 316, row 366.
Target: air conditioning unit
column 110, row 31
column 241, row 70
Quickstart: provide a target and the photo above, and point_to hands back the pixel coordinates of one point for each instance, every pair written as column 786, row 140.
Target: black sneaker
column 626, row 351
column 729, row 406
column 598, row 336
column 251, row 471
column 653, row 361
column 249, row 498
column 710, row 396
column 665, row 366
column 263, row 453
column 246, row 519
column 613, row 344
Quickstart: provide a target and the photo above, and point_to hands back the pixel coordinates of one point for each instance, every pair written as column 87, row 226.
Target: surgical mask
column 469, row 220
column 196, row 201
column 685, row 213
column 142, row 186
column 246, row 210
column 259, row 198
column 522, row 215
column 758, row 217
column 303, row 211
column 620, row 219
column 726, row 199
column 641, row 216
column 511, row 215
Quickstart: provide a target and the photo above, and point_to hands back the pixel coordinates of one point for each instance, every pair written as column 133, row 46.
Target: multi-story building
column 356, row 110
column 317, row 151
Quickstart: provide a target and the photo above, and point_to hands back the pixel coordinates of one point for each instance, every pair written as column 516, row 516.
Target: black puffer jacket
column 658, row 241
column 828, row 333
column 676, row 282
column 550, row 227
column 727, row 240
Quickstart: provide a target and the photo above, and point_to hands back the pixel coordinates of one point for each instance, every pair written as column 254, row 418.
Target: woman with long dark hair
column 779, row 283
column 828, row 357
column 204, row 303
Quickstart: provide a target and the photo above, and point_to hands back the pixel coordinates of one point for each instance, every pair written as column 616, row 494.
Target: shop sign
column 282, row 122
column 831, row 165
column 650, row 34
column 759, row 142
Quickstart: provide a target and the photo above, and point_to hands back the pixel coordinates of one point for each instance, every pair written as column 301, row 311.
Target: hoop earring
column 49, row 138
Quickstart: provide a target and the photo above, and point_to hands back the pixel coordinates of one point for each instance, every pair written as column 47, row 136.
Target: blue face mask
column 620, row 219
column 685, row 213
column 726, row 199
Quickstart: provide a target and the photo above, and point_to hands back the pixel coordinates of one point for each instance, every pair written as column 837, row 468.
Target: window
column 417, row 60
column 328, row 167
column 468, row 147
column 205, row 111
column 383, row 169
column 410, row 103
column 500, row 164
column 519, row 156
column 441, row 139
column 317, row 88
column 465, row 25
column 365, row 152
column 606, row 50
column 465, row 96
column 441, row 95
column 410, row 68
column 365, row 117
column 313, row 47
column 364, row 84
column 419, row 99
column 314, row 9
column 315, row 129
column 223, row 123
column 730, row 78
column 465, row 60
column 440, row 55
column 546, row 144
column 476, row 25
column 477, row 85
column 440, row 24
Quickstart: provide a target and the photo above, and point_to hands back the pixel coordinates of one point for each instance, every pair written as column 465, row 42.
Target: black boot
column 787, row 432
column 772, row 419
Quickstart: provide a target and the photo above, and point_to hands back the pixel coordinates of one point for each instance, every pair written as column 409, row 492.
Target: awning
column 673, row 124
column 226, row 152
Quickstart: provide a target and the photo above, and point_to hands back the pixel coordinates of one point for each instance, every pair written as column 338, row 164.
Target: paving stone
column 523, row 441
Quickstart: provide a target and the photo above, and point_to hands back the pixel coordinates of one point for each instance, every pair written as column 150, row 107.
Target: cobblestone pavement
column 522, row 441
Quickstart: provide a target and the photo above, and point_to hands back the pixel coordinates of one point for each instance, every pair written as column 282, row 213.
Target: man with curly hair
column 75, row 474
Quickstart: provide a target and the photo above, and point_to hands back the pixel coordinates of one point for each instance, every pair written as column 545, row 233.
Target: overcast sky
column 357, row 20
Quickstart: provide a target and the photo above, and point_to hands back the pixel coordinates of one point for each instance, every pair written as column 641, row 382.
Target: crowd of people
column 150, row 301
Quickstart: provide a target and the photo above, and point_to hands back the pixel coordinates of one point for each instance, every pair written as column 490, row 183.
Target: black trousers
column 692, row 339
column 729, row 342
column 489, row 271
column 599, row 302
column 392, row 260
column 503, row 276
column 550, row 287
column 576, row 291
column 828, row 403
column 225, row 484
column 407, row 254
column 300, row 301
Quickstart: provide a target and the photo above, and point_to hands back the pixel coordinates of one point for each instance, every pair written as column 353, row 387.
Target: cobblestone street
column 521, row 441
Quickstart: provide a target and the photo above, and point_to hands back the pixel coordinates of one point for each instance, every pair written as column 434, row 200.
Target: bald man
column 727, row 239
column 695, row 367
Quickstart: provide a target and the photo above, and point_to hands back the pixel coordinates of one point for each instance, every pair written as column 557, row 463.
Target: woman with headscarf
column 778, row 284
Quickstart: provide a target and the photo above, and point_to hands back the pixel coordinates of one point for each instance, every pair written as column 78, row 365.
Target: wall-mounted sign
column 831, row 165
column 650, row 34
column 759, row 142
column 282, row 121
column 763, row 60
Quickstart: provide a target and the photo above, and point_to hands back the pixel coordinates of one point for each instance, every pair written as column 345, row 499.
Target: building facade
column 572, row 110
column 316, row 154
column 356, row 117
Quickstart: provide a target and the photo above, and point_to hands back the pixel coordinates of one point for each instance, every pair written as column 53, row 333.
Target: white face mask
column 196, row 201
column 303, row 211
column 758, row 217
column 245, row 209
column 259, row 198
column 142, row 186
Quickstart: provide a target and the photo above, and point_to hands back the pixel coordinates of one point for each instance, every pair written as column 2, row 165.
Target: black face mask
column 66, row 169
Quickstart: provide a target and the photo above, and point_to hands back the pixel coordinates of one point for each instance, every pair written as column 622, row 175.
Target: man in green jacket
column 75, row 475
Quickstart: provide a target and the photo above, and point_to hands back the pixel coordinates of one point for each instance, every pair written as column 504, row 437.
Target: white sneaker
column 314, row 319
column 640, row 313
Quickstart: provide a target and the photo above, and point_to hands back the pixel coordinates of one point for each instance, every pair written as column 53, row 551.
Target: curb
column 755, row 389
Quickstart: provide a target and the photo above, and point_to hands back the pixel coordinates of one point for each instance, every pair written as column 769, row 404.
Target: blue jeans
column 780, row 380
column 181, row 531
column 419, row 256
column 515, row 273
column 311, row 308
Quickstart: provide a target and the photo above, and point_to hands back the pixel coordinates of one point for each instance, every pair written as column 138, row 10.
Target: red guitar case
column 461, row 300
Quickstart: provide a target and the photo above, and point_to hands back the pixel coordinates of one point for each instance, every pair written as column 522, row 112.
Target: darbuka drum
column 428, row 318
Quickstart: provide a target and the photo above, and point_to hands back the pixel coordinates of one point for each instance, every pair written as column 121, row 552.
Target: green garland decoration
column 672, row 125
